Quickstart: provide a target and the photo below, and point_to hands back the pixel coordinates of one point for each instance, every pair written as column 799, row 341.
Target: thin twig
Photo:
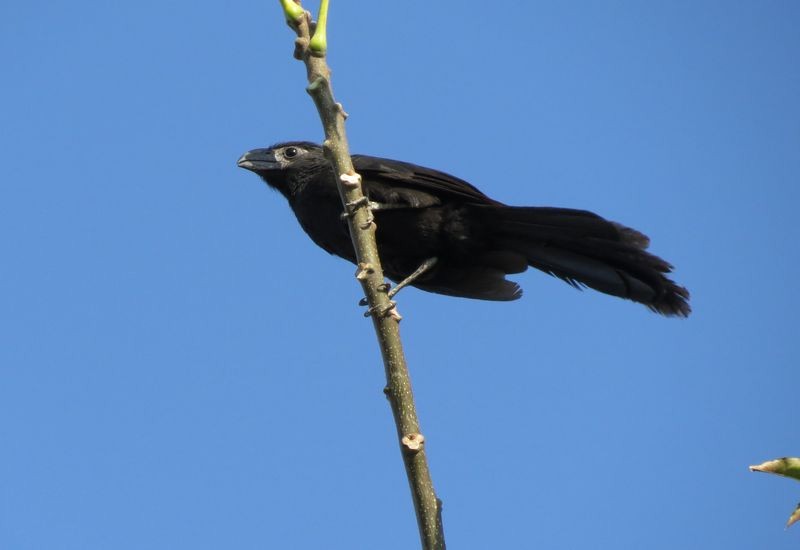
column 311, row 49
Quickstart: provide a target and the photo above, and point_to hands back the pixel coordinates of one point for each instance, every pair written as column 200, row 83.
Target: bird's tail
column 584, row 249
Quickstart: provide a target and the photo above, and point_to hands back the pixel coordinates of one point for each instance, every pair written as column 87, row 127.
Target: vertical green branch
column 312, row 50
column 319, row 42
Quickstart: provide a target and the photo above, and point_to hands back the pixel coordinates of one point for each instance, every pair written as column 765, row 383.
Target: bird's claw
column 368, row 222
column 350, row 208
column 388, row 310
column 383, row 287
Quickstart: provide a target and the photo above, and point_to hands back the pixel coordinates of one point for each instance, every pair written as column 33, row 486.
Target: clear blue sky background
column 182, row 368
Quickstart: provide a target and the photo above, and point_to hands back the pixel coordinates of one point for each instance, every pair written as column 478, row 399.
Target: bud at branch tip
column 292, row 10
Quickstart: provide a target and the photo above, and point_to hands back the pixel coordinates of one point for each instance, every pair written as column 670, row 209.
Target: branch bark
column 310, row 47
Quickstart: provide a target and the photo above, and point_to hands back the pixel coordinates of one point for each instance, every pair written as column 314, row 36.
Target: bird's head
column 284, row 165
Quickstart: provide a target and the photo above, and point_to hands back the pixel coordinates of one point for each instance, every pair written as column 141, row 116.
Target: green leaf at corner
column 794, row 518
column 788, row 467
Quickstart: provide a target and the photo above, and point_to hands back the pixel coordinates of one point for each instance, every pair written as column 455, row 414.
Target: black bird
column 465, row 241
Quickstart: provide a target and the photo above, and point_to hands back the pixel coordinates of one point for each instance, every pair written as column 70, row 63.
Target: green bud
column 292, row 10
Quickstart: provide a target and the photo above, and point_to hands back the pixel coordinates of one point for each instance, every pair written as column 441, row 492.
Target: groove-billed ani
column 423, row 214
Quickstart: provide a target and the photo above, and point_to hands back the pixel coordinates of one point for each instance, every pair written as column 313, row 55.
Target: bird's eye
column 290, row 152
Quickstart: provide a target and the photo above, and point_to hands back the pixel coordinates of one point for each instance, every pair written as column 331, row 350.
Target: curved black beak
column 258, row 160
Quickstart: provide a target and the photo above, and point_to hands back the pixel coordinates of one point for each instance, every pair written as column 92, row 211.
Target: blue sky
column 182, row 368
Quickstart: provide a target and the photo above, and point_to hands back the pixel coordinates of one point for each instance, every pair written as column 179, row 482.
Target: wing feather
column 397, row 183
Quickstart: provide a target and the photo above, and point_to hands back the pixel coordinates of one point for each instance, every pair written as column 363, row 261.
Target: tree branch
column 311, row 47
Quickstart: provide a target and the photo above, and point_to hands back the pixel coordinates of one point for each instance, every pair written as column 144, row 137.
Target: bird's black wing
column 398, row 184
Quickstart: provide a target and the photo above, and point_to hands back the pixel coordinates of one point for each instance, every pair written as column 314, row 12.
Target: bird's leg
column 375, row 206
column 424, row 267
column 351, row 207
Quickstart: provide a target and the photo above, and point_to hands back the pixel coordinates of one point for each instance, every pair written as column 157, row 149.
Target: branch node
column 364, row 270
column 327, row 150
column 300, row 47
column 342, row 111
column 351, row 180
column 413, row 443
column 316, row 83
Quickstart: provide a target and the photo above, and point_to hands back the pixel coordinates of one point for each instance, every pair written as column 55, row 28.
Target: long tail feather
column 584, row 249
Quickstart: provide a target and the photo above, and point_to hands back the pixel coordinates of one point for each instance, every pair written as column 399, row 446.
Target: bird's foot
column 424, row 267
column 383, row 287
column 350, row 208
column 388, row 310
